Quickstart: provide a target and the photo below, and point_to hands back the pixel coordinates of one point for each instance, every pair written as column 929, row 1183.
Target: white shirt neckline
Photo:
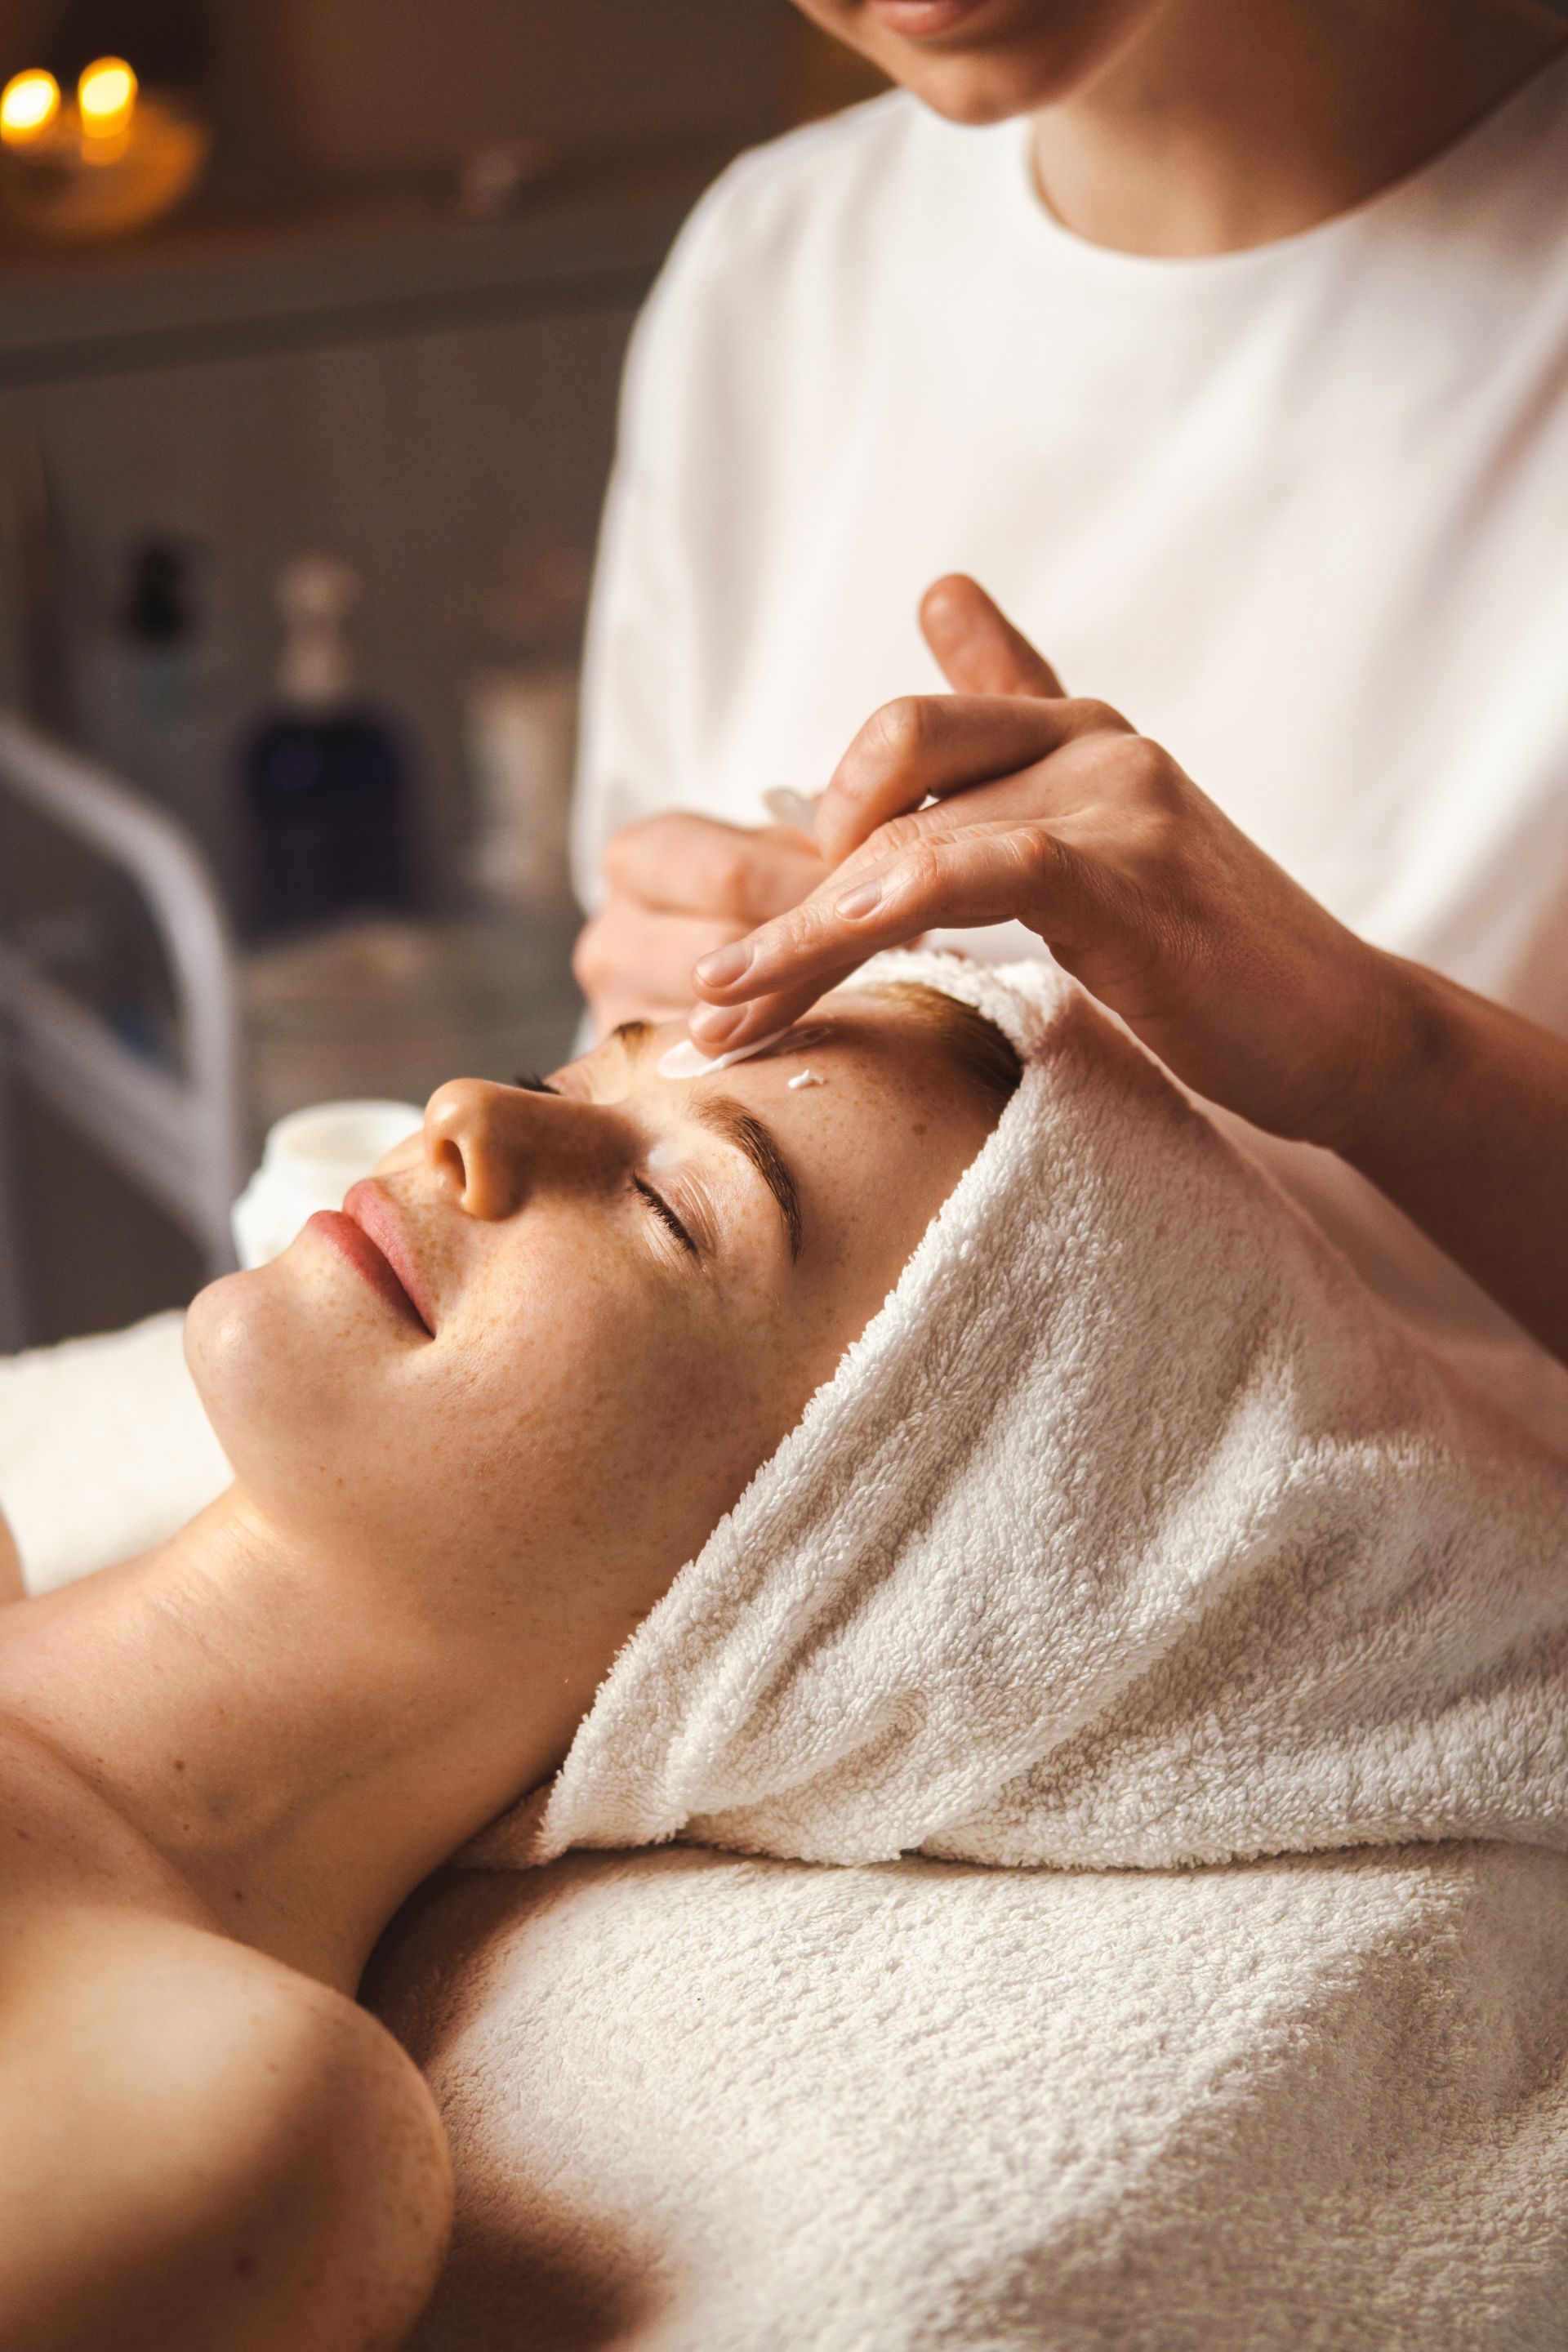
column 1176, row 276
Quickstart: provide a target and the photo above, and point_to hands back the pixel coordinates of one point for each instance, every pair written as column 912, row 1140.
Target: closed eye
column 663, row 1211
column 530, row 1082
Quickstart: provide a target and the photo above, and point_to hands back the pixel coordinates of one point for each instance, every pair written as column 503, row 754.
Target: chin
column 975, row 92
column 1033, row 54
column 216, row 1323
column 264, row 1378
column 232, row 1351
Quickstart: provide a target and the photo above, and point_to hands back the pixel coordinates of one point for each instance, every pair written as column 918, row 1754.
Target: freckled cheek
column 616, row 1407
column 601, row 1369
column 568, row 1343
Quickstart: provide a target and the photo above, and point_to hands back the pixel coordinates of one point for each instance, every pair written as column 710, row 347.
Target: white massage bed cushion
column 104, row 1449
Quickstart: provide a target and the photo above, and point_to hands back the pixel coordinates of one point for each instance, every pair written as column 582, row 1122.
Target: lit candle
column 106, row 96
column 28, row 105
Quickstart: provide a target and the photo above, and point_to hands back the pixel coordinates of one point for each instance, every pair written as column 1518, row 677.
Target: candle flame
column 28, row 104
column 106, row 94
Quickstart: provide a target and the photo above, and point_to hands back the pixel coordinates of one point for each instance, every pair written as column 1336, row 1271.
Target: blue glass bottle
column 324, row 777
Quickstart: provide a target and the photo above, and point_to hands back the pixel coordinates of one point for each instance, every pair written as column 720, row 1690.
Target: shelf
column 352, row 271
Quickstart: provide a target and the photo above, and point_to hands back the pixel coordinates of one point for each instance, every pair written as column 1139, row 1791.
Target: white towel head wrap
column 1131, row 1531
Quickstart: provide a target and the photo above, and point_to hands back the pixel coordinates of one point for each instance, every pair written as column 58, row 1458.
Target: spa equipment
column 179, row 1139
column 383, row 1008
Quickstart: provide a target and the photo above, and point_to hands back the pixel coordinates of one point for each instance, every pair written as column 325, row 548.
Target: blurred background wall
column 384, row 327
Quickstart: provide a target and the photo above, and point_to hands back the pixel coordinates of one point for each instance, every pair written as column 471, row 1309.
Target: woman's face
column 555, row 1334
column 982, row 60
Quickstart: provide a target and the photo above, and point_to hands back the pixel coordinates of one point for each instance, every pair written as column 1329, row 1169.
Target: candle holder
column 111, row 160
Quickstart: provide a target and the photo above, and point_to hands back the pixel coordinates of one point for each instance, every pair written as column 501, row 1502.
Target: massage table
column 701, row 2103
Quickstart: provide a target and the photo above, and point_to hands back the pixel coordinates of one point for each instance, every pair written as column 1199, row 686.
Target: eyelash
column 663, row 1211
column 530, row 1082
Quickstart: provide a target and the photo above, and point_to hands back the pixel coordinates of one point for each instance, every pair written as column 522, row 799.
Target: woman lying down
column 1048, row 1495
column 477, row 1425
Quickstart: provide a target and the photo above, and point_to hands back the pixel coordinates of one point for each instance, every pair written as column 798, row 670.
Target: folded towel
column 104, row 1449
column 1132, row 1531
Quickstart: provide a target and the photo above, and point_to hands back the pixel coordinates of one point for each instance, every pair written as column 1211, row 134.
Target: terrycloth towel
column 699, row 2103
column 104, row 1449
column 1131, row 1532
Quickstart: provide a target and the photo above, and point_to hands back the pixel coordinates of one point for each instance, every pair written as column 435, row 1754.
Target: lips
column 367, row 1233
column 917, row 20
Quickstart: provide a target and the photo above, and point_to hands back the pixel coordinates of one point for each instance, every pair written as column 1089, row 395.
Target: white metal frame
column 180, row 1139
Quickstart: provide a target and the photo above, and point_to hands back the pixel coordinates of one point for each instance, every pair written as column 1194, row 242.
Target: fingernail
column 725, row 964
column 859, row 901
column 714, row 1022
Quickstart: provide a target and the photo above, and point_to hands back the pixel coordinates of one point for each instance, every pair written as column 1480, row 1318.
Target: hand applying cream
column 785, row 806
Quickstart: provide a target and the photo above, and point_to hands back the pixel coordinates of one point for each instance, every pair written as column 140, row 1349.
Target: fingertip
column 959, row 624
column 950, row 596
column 976, row 645
column 718, row 1029
column 714, row 1028
column 951, row 610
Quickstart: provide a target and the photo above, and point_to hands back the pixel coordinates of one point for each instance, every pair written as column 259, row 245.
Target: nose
column 477, row 1147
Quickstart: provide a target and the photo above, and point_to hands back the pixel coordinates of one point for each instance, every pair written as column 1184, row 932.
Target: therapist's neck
column 1229, row 123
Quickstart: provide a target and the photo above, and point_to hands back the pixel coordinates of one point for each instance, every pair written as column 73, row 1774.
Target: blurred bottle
column 522, row 727
column 160, row 625
column 324, row 776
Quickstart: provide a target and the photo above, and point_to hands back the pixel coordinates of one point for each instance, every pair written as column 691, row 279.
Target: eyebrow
column 741, row 1130
column 734, row 1124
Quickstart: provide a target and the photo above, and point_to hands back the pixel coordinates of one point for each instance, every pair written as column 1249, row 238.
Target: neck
column 1229, row 123
column 303, row 1744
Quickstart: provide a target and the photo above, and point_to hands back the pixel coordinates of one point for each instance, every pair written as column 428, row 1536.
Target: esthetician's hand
column 681, row 886
column 1055, row 812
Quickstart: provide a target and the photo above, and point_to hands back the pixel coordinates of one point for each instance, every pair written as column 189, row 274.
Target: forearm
column 1466, row 1131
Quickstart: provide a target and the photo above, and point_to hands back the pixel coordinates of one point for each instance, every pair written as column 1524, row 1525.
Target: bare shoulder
column 200, row 2146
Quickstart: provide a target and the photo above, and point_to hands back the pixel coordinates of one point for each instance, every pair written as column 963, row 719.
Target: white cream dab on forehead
column 686, row 1060
column 806, row 1078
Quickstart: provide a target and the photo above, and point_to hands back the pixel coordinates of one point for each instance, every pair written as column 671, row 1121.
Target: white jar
column 309, row 1162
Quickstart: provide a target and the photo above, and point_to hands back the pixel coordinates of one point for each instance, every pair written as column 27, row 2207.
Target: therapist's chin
column 1007, row 58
